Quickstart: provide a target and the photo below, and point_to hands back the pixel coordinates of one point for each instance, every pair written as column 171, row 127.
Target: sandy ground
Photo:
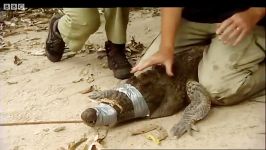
column 44, row 91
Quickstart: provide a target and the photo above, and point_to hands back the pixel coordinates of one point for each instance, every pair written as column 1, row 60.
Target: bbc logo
column 14, row 6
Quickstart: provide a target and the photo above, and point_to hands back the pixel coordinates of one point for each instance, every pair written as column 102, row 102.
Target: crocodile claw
column 96, row 95
column 181, row 128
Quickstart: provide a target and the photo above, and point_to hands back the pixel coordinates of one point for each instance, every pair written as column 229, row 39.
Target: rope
column 39, row 122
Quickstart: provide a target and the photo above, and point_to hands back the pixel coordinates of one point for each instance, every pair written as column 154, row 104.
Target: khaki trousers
column 230, row 73
column 78, row 24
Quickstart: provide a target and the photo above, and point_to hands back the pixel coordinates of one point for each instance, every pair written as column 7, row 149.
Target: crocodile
column 164, row 95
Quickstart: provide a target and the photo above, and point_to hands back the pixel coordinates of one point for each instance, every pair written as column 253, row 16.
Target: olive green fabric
column 78, row 24
column 230, row 73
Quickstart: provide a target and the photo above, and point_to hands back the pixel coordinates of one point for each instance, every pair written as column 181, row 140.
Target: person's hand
column 161, row 57
column 170, row 20
column 234, row 29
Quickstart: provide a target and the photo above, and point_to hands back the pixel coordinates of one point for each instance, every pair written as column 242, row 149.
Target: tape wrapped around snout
column 141, row 108
column 107, row 115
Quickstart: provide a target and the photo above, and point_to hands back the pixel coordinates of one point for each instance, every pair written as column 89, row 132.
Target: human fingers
column 141, row 66
column 240, row 37
column 233, row 36
column 168, row 67
column 223, row 26
column 227, row 31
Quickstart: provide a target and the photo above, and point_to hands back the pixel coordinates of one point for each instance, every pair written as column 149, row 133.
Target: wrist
column 257, row 13
column 167, row 44
column 167, row 48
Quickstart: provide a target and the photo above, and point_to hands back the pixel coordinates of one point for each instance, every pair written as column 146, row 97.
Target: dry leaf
column 16, row 148
column 6, row 34
column 104, row 65
column 76, row 81
column 2, row 48
column 12, row 82
column 29, row 29
column 83, row 72
column 35, row 70
column 153, row 138
column 46, row 130
column 90, row 80
column 88, row 90
column 8, row 44
column 144, row 129
column 44, row 21
column 134, row 46
column 101, row 54
column 59, row 129
column 61, row 148
column 68, row 55
column 88, row 46
column 37, row 52
column 86, row 147
column 162, row 133
column 157, row 135
column 91, row 48
column 95, row 146
column 155, row 13
column 17, row 60
column 74, row 145
column 101, row 133
column 100, row 49
column 35, row 38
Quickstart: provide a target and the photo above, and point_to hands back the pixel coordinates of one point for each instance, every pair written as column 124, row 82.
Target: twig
column 39, row 122
column 144, row 51
column 258, row 101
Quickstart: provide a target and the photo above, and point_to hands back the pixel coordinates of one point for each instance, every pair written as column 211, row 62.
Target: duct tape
column 141, row 108
column 106, row 115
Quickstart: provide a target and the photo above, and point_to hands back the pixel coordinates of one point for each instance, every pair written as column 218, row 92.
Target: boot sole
column 50, row 56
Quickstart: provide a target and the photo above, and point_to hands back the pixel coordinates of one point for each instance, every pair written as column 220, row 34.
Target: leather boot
column 117, row 60
column 55, row 45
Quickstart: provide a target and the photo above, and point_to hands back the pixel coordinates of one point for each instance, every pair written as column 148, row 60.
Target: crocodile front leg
column 198, row 109
column 102, row 94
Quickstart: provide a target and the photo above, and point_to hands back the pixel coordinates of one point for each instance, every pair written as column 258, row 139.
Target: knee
column 87, row 25
column 77, row 25
column 86, row 20
column 229, row 92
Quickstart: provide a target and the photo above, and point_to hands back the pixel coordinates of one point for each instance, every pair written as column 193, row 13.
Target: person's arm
column 234, row 29
column 170, row 20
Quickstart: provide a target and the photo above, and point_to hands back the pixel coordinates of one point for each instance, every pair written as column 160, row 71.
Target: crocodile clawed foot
column 180, row 129
column 103, row 94
column 194, row 127
column 96, row 95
